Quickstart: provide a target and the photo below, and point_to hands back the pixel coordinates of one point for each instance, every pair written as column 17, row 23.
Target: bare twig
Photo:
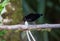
column 23, row 27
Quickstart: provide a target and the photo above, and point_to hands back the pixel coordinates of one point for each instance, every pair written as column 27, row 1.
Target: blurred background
column 17, row 9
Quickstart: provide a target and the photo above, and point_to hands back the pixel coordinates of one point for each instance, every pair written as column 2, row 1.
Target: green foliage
column 2, row 32
column 3, row 4
column 1, row 8
column 3, row 40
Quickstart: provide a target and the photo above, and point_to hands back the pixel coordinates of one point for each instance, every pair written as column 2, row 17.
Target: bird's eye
column 1, row 1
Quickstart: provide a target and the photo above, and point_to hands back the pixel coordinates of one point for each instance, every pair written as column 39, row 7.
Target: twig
column 23, row 27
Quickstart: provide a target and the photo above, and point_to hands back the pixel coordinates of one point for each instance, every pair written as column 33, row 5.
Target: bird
column 32, row 17
column 29, row 19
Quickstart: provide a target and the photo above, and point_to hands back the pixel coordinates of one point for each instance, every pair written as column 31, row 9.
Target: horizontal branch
column 23, row 27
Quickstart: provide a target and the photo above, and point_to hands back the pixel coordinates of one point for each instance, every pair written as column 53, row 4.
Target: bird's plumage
column 32, row 17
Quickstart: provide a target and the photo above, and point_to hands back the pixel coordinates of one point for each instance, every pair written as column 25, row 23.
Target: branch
column 24, row 27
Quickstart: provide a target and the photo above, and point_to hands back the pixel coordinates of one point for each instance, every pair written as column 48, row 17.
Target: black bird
column 32, row 17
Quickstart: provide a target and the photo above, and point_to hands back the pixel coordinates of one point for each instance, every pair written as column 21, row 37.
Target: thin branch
column 24, row 27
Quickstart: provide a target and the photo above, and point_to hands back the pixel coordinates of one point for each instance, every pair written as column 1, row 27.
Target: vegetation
column 51, row 13
column 17, row 15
